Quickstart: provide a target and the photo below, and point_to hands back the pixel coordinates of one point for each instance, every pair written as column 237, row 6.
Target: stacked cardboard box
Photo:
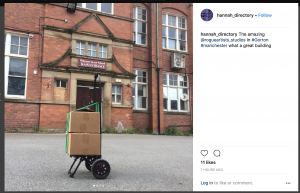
column 83, row 136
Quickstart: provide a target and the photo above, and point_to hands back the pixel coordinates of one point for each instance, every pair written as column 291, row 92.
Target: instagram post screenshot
column 149, row 96
column 246, row 101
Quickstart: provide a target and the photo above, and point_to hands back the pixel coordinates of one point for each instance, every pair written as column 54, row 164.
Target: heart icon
column 204, row 152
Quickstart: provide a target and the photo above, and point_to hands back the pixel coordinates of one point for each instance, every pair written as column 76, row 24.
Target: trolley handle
column 97, row 75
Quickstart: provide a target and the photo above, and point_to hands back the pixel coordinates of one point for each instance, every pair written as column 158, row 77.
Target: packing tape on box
column 83, row 128
column 86, row 117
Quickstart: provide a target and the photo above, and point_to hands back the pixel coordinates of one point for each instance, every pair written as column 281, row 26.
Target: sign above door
column 91, row 63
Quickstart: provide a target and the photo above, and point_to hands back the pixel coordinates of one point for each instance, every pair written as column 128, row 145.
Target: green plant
column 6, row 129
column 171, row 130
column 36, row 129
column 16, row 129
column 137, row 130
column 129, row 131
column 110, row 130
column 149, row 130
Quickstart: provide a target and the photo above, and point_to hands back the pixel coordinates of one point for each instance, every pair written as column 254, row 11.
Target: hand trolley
column 99, row 167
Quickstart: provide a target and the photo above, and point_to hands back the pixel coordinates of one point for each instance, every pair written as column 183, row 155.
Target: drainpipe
column 157, row 68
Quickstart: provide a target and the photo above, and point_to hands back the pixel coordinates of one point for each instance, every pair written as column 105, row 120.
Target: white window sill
column 14, row 97
column 15, row 55
column 141, row 45
column 116, row 105
column 177, row 112
column 177, row 51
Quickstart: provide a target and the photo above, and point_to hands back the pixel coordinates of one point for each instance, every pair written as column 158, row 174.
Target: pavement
column 38, row 162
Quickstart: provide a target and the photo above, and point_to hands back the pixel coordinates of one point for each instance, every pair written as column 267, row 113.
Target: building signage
column 91, row 63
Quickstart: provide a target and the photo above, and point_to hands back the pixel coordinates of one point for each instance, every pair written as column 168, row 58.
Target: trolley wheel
column 89, row 162
column 100, row 169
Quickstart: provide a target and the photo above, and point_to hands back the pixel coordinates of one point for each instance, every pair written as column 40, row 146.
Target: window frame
column 178, row 87
column 135, row 23
column 91, row 50
column 60, row 83
column 136, row 88
column 167, row 26
column 8, row 56
column 112, row 93
column 85, row 47
column 80, row 48
column 100, row 45
column 99, row 8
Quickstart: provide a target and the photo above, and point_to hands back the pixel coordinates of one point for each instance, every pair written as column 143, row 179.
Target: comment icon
column 217, row 153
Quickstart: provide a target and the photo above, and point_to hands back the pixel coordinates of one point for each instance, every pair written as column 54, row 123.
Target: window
column 164, row 36
column 60, row 90
column 139, row 90
column 92, row 50
column 174, row 87
column 116, row 94
column 60, row 83
column 165, row 79
column 19, row 45
column 139, row 25
column 80, row 48
column 174, row 32
column 103, row 7
column 102, row 51
column 172, row 80
column 16, row 62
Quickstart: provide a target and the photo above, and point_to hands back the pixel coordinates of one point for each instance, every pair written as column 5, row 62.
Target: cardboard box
column 83, row 144
column 84, row 122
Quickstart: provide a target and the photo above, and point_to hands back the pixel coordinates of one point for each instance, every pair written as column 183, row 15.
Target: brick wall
column 21, row 115
column 121, row 118
column 47, row 88
column 140, row 120
column 53, row 116
column 23, row 15
column 115, row 68
column 126, row 95
column 120, row 28
column 141, row 53
column 126, row 9
column 178, row 120
column 124, row 58
column 57, row 12
column 92, row 26
column 34, row 80
column 54, row 48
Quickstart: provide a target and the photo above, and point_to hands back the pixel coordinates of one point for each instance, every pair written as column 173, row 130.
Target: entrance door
column 85, row 96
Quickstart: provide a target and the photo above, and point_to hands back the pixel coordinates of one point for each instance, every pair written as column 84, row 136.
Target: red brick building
column 51, row 56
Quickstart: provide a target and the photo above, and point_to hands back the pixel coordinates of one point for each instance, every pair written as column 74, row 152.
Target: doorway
column 85, row 96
